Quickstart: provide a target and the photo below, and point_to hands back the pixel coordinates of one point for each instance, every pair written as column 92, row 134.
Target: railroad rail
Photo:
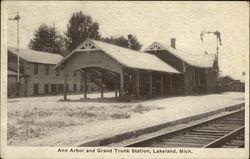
column 224, row 131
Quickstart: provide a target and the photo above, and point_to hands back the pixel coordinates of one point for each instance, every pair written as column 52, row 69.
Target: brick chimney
column 129, row 41
column 173, row 45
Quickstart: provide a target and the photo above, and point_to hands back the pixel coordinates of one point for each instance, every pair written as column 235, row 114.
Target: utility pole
column 17, row 18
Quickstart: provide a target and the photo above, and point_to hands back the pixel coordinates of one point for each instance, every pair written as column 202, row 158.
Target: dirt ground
column 47, row 121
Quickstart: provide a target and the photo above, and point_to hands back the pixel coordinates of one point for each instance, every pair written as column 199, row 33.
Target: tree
column 122, row 41
column 46, row 39
column 79, row 28
column 61, row 45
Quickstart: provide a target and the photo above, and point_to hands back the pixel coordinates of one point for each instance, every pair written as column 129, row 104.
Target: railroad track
column 225, row 131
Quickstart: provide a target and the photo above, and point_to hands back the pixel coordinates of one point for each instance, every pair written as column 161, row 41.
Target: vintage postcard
column 119, row 79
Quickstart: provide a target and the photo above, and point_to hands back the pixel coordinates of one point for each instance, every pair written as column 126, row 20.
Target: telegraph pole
column 17, row 18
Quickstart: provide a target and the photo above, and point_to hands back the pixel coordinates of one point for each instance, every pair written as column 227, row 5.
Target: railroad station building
column 159, row 71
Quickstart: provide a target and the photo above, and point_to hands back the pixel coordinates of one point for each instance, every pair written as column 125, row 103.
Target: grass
column 38, row 122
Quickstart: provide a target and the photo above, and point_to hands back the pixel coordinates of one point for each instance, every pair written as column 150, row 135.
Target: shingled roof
column 37, row 56
column 127, row 57
column 198, row 60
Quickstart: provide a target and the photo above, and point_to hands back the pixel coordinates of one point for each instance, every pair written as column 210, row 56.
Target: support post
column 121, row 84
column 65, row 76
column 184, row 77
column 137, row 83
column 102, row 81
column 171, row 84
column 116, row 85
column 150, row 84
column 85, row 84
column 162, row 91
column 198, row 78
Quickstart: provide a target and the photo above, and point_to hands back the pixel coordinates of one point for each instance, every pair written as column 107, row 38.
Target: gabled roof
column 124, row 56
column 37, row 56
column 198, row 60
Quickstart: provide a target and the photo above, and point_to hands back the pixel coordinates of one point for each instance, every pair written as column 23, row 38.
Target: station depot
column 159, row 70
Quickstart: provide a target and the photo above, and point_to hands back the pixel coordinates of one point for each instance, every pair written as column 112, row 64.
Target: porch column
column 102, row 81
column 162, row 91
column 198, row 78
column 171, row 84
column 150, row 84
column 185, row 78
column 137, row 83
column 65, row 76
column 116, row 85
column 121, row 84
column 85, row 84
column 185, row 82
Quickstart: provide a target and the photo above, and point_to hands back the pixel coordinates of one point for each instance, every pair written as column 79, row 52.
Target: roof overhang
column 87, row 45
column 94, row 45
column 156, row 46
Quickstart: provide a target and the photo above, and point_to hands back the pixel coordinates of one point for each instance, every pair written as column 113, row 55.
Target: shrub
column 120, row 116
column 140, row 108
column 79, row 113
column 160, row 108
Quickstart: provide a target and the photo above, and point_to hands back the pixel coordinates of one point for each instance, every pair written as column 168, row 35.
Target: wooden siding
column 169, row 59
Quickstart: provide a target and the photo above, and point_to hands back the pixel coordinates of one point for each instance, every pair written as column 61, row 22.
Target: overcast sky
column 149, row 21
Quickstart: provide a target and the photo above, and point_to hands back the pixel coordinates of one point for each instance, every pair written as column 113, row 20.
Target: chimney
column 129, row 41
column 173, row 43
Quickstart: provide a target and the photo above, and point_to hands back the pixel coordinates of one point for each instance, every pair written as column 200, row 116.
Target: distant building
column 227, row 83
column 37, row 76
column 199, row 71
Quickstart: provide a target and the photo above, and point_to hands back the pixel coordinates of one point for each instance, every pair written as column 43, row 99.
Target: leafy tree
column 122, row 41
column 61, row 45
column 79, row 28
column 46, row 39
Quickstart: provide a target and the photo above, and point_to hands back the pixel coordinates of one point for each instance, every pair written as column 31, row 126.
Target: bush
column 120, row 116
column 140, row 109
column 79, row 113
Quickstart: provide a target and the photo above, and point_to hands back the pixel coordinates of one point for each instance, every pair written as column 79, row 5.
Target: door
column 46, row 89
column 35, row 89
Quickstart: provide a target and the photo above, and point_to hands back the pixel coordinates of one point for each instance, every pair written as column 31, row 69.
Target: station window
column 60, row 88
column 74, row 88
column 57, row 72
column 46, row 69
column 67, row 87
column 21, row 69
column 35, row 68
column 53, row 88
column 46, row 89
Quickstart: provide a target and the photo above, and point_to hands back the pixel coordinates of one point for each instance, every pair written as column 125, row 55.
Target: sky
column 149, row 21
